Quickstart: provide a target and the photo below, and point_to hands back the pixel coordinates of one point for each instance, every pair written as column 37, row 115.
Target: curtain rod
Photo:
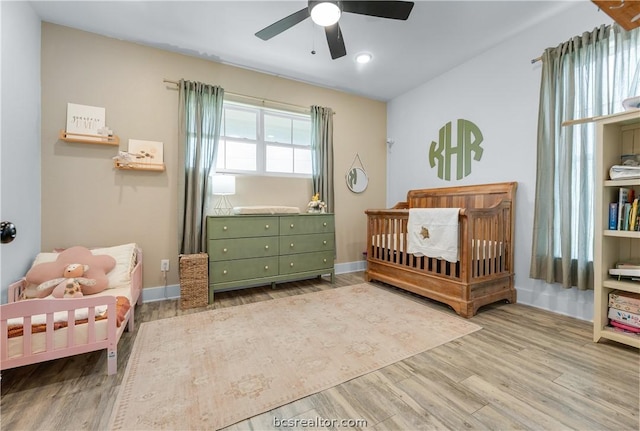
column 263, row 101
column 535, row 60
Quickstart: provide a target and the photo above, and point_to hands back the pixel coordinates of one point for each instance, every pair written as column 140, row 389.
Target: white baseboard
column 162, row 293
column 568, row 302
column 346, row 268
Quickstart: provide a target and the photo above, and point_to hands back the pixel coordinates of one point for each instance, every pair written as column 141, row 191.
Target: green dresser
column 250, row 250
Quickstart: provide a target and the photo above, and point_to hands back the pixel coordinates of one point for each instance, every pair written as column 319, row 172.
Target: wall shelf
column 132, row 166
column 89, row 139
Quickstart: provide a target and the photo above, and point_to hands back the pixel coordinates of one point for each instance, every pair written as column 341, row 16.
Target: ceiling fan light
column 363, row 58
column 325, row 13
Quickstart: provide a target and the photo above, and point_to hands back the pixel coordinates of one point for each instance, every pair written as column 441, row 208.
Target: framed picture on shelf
column 85, row 120
column 147, row 152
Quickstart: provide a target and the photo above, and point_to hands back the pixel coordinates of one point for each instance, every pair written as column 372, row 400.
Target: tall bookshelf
column 617, row 134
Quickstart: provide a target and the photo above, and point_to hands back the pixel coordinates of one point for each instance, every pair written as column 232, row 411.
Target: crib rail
column 485, row 237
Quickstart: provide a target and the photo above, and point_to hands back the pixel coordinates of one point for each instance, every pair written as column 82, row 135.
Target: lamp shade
column 223, row 185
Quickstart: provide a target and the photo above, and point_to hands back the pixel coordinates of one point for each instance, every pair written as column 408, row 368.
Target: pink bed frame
column 27, row 309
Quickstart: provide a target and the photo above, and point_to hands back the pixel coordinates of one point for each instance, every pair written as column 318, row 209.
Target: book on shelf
column 625, row 216
column 633, row 216
column 625, row 199
column 613, row 215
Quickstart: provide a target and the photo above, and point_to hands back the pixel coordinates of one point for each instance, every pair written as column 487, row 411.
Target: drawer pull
column 291, row 245
column 324, row 242
column 266, row 267
column 291, row 226
column 324, row 260
column 224, row 250
column 266, row 247
column 291, row 264
column 224, row 228
column 224, row 272
column 266, row 226
column 324, row 224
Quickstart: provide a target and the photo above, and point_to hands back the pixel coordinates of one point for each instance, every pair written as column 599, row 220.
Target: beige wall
column 86, row 202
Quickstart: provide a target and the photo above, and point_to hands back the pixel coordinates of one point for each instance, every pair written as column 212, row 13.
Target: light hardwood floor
column 526, row 369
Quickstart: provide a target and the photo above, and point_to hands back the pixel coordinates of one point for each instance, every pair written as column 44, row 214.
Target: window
column 263, row 141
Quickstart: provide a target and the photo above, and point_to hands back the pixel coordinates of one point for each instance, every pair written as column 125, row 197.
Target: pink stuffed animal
column 68, row 286
column 89, row 271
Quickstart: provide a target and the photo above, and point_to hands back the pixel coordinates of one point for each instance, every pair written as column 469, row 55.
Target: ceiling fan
column 327, row 14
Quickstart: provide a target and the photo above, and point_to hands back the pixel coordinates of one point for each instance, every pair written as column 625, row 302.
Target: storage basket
column 194, row 280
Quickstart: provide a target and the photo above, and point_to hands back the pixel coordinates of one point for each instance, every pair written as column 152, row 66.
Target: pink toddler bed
column 72, row 326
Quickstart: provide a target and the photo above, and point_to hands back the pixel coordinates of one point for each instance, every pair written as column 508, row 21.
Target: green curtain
column 322, row 154
column 200, row 116
column 586, row 76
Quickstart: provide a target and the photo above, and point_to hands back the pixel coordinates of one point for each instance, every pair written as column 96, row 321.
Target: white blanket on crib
column 433, row 232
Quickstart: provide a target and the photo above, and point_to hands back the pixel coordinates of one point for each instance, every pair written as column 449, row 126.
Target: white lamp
column 325, row 13
column 223, row 186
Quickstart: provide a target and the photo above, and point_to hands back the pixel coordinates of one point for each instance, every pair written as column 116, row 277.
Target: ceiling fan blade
column 382, row 9
column 284, row 24
column 335, row 41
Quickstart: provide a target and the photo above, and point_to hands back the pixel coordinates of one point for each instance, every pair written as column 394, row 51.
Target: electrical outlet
column 164, row 265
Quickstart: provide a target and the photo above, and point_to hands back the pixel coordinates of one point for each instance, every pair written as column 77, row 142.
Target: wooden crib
column 484, row 272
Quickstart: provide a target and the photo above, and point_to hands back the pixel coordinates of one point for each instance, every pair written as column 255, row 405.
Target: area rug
column 212, row 369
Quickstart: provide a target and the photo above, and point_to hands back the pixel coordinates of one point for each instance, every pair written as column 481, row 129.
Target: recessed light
column 363, row 58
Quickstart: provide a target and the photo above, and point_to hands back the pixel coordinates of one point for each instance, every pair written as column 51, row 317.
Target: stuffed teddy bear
column 51, row 276
column 69, row 285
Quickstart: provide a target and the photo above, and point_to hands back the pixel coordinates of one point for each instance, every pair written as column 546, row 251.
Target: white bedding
column 433, row 232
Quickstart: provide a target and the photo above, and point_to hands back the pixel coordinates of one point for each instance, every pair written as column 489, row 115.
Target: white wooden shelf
column 626, row 285
column 622, row 233
column 622, row 183
column 611, row 333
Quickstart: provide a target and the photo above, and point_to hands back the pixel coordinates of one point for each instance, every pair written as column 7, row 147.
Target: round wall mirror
column 357, row 180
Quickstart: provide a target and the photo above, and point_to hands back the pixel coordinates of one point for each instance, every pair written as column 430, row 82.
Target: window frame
column 260, row 142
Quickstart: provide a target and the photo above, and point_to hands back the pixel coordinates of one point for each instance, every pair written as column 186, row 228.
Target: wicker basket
column 194, row 280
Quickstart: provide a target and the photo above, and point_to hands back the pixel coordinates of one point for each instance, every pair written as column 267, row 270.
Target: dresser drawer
column 242, row 248
column 241, row 227
column 244, row 269
column 306, row 262
column 292, row 244
column 296, row 225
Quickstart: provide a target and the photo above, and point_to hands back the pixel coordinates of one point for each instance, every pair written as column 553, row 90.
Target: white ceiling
column 438, row 36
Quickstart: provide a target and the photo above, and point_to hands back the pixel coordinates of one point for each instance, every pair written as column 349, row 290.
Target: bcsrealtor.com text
column 319, row 422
